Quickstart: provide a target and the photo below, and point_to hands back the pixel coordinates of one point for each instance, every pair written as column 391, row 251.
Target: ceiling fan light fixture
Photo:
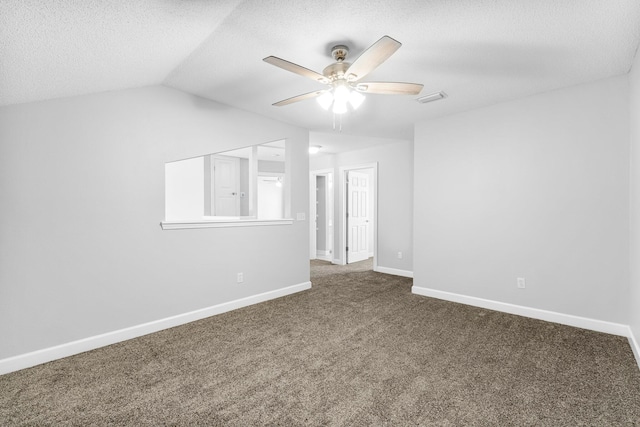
column 341, row 93
column 356, row 99
column 345, row 91
column 325, row 100
column 339, row 107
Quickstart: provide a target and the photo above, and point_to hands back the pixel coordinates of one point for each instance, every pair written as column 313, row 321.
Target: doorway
column 359, row 213
column 321, row 213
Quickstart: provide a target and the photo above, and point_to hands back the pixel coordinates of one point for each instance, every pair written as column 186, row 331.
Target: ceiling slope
column 59, row 48
column 479, row 52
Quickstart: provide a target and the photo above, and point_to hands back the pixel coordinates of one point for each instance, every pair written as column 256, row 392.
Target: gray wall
column 82, row 196
column 634, row 300
column 270, row 166
column 534, row 188
column 395, row 192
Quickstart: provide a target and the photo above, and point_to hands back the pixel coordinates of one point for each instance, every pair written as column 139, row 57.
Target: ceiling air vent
column 431, row 97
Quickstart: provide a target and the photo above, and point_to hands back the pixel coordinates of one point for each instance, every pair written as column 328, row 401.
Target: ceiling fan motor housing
column 336, row 70
column 339, row 52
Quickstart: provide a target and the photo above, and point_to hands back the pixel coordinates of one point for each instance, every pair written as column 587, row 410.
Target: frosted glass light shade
column 356, row 99
column 341, row 94
column 325, row 100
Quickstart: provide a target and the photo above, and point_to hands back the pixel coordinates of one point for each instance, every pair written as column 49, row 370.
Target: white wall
column 534, row 188
column 634, row 300
column 395, row 192
column 82, row 196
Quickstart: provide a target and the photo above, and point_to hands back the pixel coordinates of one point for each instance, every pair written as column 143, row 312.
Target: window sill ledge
column 223, row 223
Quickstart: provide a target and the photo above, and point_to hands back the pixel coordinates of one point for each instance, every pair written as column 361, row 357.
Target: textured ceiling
column 59, row 48
column 479, row 52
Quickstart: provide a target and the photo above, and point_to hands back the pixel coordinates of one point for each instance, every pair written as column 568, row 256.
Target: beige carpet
column 356, row 349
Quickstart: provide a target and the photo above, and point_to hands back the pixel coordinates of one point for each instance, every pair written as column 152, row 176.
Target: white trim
column 324, row 255
column 181, row 225
column 535, row 313
column 329, row 175
column 634, row 346
column 394, row 271
column 336, row 261
column 38, row 357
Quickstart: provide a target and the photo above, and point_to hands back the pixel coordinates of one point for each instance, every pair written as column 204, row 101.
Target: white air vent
column 431, row 97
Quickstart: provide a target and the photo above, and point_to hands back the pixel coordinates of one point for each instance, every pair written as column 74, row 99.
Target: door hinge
column 347, row 249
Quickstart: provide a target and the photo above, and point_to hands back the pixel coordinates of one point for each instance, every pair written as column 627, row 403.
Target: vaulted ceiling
column 479, row 52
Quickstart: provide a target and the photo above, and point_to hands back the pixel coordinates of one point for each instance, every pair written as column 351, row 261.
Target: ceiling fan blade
column 375, row 55
column 389, row 88
column 295, row 68
column 299, row 98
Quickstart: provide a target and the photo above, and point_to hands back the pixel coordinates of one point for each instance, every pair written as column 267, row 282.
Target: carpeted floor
column 356, row 349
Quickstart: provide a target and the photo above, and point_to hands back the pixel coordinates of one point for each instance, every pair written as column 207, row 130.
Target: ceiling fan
column 344, row 78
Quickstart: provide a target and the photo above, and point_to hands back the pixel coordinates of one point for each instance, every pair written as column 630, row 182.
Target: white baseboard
column 324, row 255
column 634, row 346
column 394, row 271
column 336, row 261
column 535, row 313
column 38, row 357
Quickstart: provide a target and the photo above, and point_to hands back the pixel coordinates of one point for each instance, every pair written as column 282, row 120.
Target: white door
column 270, row 197
column 358, row 216
column 226, row 184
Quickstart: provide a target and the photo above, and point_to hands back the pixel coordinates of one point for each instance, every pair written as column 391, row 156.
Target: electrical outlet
column 521, row 283
column 399, row 255
column 240, row 277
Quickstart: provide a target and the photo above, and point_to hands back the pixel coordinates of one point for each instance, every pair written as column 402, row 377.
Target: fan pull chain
column 339, row 122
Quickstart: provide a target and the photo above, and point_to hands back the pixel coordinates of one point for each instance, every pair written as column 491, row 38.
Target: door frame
column 343, row 209
column 329, row 174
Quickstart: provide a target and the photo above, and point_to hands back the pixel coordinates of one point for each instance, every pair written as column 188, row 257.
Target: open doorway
column 359, row 213
column 321, row 224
